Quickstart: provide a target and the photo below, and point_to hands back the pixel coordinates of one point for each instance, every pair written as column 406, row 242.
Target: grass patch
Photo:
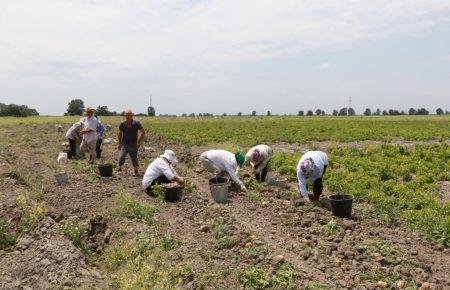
column 7, row 240
column 135, row 210
column 257, row 278
column 31, row 213
column 317, row 286
column 330, row 228
column 75, row 231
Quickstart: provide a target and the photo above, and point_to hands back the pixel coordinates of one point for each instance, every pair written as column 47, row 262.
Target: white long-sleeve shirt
column 225, row 161
column 74, row 131
column 158, row 167
column 320, row 161
column 265, row 153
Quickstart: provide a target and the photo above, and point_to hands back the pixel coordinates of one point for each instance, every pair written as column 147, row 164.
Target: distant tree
column 239, row 114
column 184, row 115
column 224, row 114
column 351, row 112
column 393, row 112
column 323, row 113
column 422, row 111
column 103, row 111
column 377, row 112
column 335, row 112
column 447, row 112
column 200, row 115
column 402, row 112
column 367, row 112
column 343, row 112
column 309, row 113
column 192, row 115
column 14, row 110
column 253, row 113
column 412, row 111
column 269, row 114
column 439, row 111
column 301, row 113
column 385, row 113
column 318, row 112
column 75, row 108
column 151, row 111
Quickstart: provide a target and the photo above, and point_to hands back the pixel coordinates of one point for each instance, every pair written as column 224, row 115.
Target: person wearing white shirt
column 89, row 133
column 161, row 171
column 258, row 157
column 219, row 162
column 310, row 169
column 73, row 135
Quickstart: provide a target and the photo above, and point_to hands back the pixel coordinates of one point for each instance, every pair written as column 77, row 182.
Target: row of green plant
column 286, row 277
column 250, row 131
column 400, row 182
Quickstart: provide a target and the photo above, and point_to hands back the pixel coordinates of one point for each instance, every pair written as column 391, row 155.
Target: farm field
column 106, row 233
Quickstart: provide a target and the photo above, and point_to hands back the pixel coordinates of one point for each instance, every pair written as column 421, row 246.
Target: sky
column 225, row 56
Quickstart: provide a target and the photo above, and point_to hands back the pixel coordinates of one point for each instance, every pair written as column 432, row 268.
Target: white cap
column 170, row 155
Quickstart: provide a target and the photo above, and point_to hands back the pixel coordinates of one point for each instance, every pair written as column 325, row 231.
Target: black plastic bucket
column 69, row 153
column 341, row 205
column 173, row 194
column 218, row 180
column 106, row 170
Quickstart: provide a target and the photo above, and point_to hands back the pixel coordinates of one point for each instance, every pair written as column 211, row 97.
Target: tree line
column 13, row 110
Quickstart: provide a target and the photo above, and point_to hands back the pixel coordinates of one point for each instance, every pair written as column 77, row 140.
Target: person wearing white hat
column 89, row 134
column 161, row 171
column 310, row 169
column 258, row 157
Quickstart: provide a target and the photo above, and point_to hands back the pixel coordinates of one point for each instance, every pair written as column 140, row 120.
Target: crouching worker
column 161, row 171
column 73, row 135
column 311, row 169
column 220, row 162
column 258, row 157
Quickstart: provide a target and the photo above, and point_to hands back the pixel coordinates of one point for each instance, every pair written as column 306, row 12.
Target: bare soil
column 348, row 258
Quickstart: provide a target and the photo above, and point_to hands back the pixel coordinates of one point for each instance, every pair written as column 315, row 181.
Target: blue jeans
column 129, row 149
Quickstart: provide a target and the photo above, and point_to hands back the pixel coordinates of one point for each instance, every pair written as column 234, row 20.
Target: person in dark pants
column 311, row 169
column 101, row 133
column 128, row 140
column 161, row 171
column 258, row 157
column 72, row 135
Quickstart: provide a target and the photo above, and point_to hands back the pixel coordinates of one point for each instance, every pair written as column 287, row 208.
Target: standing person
column 161, row 171
column 73, row 135
column 90, row 136
column 311, row 168
column 219, row 162
column 258, row 157
column 128, row 140
column 100, row 134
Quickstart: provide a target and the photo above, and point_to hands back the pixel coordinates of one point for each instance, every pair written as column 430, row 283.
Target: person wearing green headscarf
column 220, row 162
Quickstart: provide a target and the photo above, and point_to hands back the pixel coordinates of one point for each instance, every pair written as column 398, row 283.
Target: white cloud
column 324, row 65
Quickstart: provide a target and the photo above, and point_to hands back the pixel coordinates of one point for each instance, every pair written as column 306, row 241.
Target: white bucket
column 62, row 178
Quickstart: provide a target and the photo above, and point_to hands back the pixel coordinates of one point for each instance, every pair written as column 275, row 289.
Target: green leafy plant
column 134, row 209
column 7, row 240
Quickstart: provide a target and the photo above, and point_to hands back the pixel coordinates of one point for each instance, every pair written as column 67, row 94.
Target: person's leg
column 98, row 148
column 258, row 176
column 318, row 187
column 134, row 158
column 73, row 149
column 92, row 150
column 264, row 172
column 122, row 156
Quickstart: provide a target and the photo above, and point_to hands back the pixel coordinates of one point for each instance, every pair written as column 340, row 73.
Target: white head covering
column 307, row 167
column 169, row 155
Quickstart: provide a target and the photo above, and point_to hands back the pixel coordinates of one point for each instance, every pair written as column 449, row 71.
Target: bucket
column 106, row 170
column 173, row 194
column 341, row 205
column 219, row 189
column 62, row 178
column 69, row 153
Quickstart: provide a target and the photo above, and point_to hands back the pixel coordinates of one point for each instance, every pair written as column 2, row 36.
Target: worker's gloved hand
column 243, row 188
column 181, row 179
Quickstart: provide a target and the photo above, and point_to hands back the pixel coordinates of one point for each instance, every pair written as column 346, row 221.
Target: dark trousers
column 160, row 180
column 98, row 148
column 318, row 183
column 261, row 176
column 73, row 148
column 129, row 149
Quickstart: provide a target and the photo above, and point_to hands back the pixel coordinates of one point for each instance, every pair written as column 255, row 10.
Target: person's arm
column 142, row 136
column 172, row 175
column 302, row 186
column 235, row 178
column 119, row 140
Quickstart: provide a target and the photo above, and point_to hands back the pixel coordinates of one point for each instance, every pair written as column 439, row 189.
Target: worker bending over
column 161, row 171
column 258, row 157
column 311, row 169
column 219, row 162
